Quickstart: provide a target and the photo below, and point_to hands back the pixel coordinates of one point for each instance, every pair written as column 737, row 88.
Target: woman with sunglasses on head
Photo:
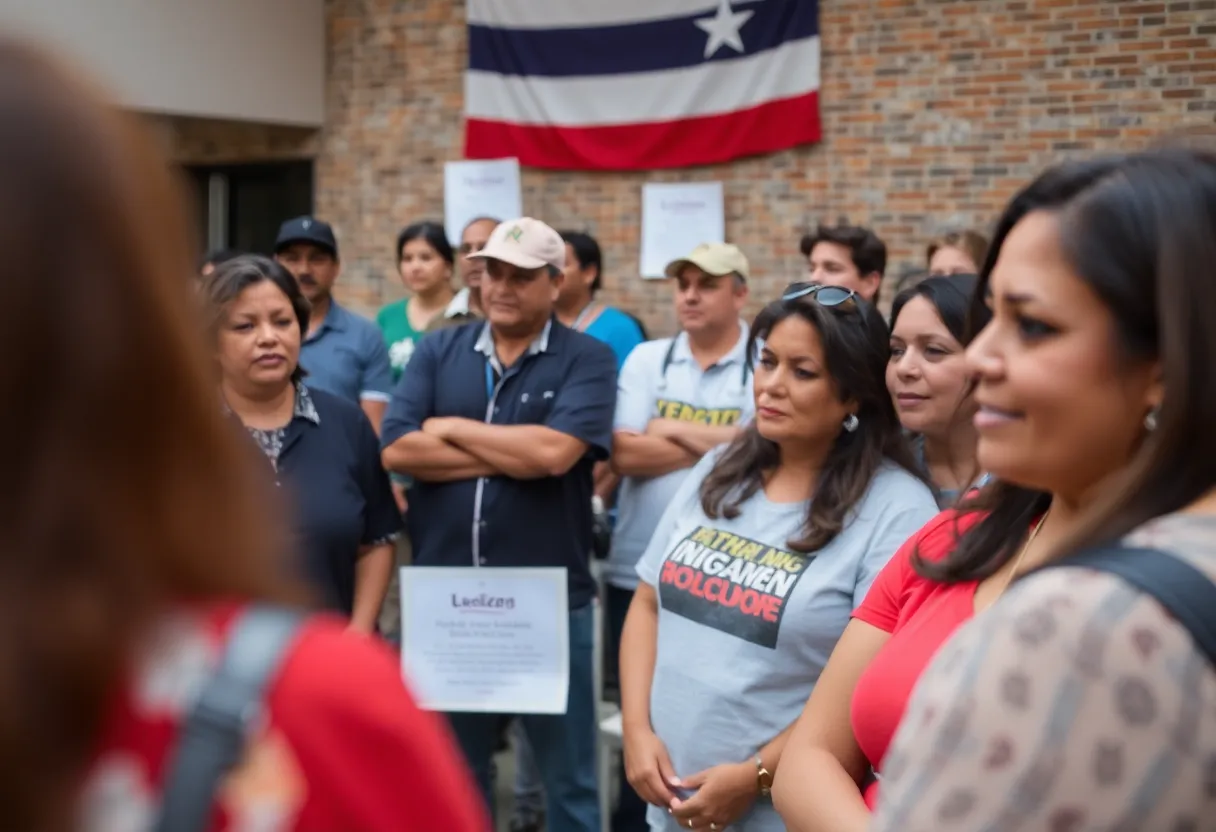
column 761, row 555
column 930, row 383
column 826, row 782
column 1079, row 701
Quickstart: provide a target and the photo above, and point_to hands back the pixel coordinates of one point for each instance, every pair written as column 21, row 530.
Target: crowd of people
column 951, row 569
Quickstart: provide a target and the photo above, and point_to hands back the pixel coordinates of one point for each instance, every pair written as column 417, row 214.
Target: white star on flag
column 723, row 28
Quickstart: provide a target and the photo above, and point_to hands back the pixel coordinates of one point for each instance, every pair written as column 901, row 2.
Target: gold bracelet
column 764, row 778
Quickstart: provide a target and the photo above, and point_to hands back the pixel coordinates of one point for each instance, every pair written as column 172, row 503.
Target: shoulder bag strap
column 1186, row 593
column 214, row 734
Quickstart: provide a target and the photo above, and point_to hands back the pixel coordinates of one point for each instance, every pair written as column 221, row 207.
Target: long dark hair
column 1141, row 232
column 232, row 277
column 856, row 347
column 951, row 297
column 126, row 491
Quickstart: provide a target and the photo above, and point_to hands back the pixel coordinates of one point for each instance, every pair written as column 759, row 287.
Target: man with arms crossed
column 677, row 399
column 500, row 423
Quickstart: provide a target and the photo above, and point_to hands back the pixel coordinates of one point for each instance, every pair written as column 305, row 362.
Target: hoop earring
column 851, row 422
column 1151, row 419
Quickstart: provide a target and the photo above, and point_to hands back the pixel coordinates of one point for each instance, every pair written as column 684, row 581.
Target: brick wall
column 934, row 112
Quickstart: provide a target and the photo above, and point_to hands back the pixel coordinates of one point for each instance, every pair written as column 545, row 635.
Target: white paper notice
column 486, row 640
column 480, row 189
column 678, row 218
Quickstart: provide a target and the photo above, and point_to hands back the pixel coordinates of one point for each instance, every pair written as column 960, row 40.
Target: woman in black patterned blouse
column 321, row 447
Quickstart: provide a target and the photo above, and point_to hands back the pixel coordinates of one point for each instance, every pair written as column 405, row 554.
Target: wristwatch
column 764, row 778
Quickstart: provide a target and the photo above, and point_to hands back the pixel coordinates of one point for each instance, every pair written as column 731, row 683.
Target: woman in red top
column 843, row 735
column 135, row 522
column 963, row 561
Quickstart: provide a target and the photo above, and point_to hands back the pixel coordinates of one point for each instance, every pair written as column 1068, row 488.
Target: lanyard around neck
column 577, row 326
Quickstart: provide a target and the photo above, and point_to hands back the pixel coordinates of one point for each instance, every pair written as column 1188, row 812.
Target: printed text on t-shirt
column 684, row 412
column 731, row 583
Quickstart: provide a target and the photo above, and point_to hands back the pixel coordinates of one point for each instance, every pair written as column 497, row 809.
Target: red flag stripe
column 704, row 140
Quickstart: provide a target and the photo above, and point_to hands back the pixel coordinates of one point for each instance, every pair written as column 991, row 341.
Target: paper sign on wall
column 480, row 189
column 676, row 218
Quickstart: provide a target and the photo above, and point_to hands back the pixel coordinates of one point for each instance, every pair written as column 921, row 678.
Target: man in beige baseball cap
column 525, row 260
column 716, row 259
column 525, row 243
column 500, row 424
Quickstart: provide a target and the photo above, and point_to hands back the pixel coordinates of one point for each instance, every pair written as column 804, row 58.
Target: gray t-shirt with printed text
column 746, row 624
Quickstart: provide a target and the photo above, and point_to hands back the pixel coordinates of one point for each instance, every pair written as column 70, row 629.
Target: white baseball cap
column 526, row 243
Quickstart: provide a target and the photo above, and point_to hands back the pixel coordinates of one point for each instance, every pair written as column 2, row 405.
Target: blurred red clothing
column 920, row 615
column 343, row 747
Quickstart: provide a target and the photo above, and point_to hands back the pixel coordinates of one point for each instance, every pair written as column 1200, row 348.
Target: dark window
column 242, row 206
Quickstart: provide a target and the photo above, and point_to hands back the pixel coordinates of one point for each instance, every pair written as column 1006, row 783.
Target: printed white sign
column 486, row 640
column 480, row 189
column 678, row 218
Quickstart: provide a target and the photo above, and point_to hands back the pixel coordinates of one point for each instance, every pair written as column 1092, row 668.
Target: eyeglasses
column 471, row 248
column 829, row 296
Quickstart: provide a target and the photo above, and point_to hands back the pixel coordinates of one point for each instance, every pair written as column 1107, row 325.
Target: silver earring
column 1150, row 419
column 851, row 422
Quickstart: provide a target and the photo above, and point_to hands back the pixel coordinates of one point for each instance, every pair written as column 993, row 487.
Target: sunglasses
column 828, row 296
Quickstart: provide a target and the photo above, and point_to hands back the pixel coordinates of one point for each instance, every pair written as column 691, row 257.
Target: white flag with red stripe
column 640, row 84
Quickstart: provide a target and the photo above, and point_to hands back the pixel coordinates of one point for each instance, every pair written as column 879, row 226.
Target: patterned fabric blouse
column 271, row 441
column 1074, row 703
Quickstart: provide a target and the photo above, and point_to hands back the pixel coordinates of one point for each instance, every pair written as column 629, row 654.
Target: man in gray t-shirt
column 677, row 398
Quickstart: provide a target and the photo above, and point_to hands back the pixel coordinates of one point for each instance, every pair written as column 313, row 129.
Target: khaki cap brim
column 510, row 255
column 676, row 266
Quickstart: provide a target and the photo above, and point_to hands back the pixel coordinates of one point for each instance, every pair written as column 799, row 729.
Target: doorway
column 241, row 206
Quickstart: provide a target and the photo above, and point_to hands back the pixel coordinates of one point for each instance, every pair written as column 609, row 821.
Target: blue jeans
column 529, row 788
column 562, row 745
column 630, row 814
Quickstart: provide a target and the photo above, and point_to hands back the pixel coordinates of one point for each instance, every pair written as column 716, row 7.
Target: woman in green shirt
column 425, row 262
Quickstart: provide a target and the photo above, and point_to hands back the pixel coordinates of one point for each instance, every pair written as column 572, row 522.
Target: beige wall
column 243, row 60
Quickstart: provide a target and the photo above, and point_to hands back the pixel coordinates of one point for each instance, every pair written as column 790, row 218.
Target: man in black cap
column 343, row 353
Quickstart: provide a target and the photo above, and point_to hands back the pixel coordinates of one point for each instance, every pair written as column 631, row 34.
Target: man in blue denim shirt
column 500, row 424
column 343, row 353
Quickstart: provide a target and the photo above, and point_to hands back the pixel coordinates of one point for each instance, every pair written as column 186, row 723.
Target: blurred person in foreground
column 1079, row 700
column 321, row 447
column 138, row 523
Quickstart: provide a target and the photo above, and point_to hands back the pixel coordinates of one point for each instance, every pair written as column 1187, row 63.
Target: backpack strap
column 215, row 732
column 1185, row 592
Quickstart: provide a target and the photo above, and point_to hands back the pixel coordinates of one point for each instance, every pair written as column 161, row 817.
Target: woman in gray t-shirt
column 758, row 562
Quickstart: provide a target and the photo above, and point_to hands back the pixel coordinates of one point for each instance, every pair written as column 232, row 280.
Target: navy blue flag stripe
column 637, row 47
